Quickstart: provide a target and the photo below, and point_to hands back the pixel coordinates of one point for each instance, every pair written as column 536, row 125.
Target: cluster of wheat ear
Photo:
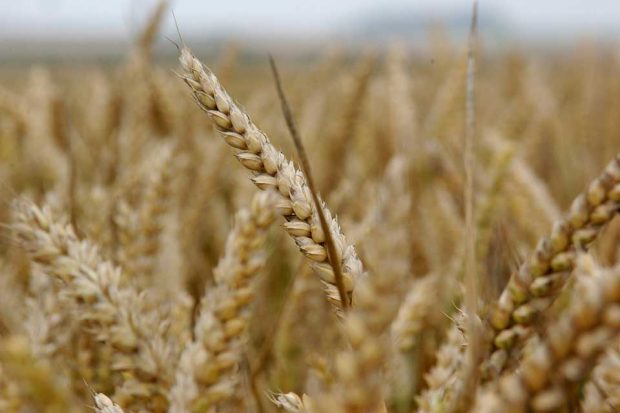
column 427, row 265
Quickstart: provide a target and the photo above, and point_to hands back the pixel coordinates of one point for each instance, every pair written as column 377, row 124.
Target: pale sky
column 119, row 18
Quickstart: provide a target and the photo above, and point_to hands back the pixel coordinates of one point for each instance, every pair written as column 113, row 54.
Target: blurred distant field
column 137, row 261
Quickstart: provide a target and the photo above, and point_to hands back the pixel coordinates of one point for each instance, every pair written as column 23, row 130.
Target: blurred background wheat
column 471, row 189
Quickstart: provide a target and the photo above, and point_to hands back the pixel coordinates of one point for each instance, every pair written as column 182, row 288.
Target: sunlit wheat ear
column 557, row 362
column 208, row 375
column 535, row 285
column 270, row 169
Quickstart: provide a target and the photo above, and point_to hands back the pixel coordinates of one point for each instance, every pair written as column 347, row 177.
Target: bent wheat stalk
column 271, row 169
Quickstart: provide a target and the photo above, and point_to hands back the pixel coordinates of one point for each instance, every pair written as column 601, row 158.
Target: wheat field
column 450, row 242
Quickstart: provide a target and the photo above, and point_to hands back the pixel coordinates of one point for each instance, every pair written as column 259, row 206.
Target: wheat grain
column 103, row 404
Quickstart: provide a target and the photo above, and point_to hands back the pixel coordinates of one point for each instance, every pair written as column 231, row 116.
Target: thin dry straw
column 589, row 213
column 272, row 170
column 471, row 295
column 305, row 163
column 366, row 325
column 469, row 373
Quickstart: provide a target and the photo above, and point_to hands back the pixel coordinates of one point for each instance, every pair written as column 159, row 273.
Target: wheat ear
column 271, row 169
column 549, row 375
column 443, row 377
column 208, row 376
column 115, row 315
column 534, row 286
